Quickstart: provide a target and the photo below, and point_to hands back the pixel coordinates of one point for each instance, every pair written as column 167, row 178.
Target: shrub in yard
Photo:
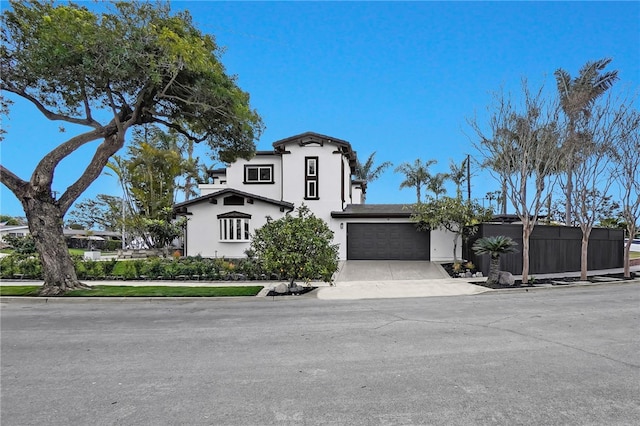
column 129, row 271
column 297, row 247
column 8, row 266
column 152, row 268
column 21, row 245
column 494, row 246
column 31, row 267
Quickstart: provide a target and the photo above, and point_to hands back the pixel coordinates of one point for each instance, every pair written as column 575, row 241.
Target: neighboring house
column 313, row 169
column 13, row 231
column 76, row 238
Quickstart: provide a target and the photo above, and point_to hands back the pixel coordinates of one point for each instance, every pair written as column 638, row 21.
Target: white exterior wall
column 329, row 179
column 235, row 177
column 203, row 227
column 356, row 194
column 442, row 246
column 16, row 230
column 210, row 188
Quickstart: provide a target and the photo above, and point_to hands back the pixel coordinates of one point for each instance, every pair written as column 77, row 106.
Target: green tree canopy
column 416, row 175
column 494, row 246
column 368, row 172
column 452, row 214
column 300, row 247
column 135, row 63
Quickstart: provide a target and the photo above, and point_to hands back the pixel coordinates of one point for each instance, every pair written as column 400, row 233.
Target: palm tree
column 416, row 174
column 435, row 183
column 368, row 173
column 495, row 246
column 577, row 97
column 458, row 174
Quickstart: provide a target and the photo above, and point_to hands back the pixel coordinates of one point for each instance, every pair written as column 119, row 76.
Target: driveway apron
column 389, row 270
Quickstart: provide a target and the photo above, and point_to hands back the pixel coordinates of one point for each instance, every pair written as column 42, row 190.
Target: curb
column 553, row 287
column 45, row 300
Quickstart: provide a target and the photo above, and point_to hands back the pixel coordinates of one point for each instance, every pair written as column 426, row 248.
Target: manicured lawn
column 634, row 254
column 143, row 291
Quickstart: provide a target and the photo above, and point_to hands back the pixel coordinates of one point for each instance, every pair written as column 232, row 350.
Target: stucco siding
column 203, row 228
column 235, row 176
column 442, row 246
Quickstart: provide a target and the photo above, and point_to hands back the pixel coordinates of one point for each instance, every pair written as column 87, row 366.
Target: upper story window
column 262, row 173
column 311, row 178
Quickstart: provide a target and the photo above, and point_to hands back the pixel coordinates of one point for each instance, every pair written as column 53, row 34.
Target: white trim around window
column 234, row 229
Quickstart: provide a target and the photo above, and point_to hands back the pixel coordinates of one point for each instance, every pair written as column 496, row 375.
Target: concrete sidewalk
column 381, row 288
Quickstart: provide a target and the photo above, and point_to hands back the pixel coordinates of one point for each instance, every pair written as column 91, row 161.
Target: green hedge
column 186, row 268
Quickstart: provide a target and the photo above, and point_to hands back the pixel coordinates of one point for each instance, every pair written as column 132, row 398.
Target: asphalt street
column 560, row 356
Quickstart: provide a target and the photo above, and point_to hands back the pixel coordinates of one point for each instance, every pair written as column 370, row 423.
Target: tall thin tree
column 577, row 97
column 522, row 137
column 368, row 172
column 416, row 175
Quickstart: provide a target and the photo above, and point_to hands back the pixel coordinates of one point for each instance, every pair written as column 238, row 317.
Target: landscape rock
column 281, row 288
column 505, row 278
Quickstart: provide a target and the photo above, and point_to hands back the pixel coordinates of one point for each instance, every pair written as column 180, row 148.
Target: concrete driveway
column 390, row 279
column 389, row 270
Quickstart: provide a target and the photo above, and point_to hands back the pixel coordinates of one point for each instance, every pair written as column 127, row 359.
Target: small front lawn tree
column 520, row 143
column 494, row 246
column 627, row 174
column 297, row 247
column 453, row 214
column 132, row 64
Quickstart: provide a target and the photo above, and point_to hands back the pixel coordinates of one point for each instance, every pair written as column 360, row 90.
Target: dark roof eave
column 375, row 215
column 284, row 204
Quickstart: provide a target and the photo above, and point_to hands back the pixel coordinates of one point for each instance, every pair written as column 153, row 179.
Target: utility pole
column 123, row 217
column 468, row 177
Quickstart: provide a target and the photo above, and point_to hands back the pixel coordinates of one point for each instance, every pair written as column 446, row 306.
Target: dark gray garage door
column 386, row 241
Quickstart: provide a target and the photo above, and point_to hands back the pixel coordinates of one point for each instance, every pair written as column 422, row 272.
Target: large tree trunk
column 503, row 197
column 627, row 250
column 568, row 219
column 583, row 253
column 526, row 233
column 494, row 268
column 45, row 225
column 455, row 248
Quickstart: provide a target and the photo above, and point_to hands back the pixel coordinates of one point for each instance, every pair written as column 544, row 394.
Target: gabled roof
column 312, row 137
column 231, row 191
column 374, row 211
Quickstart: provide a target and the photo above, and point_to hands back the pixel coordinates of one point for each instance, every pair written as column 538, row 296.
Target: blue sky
column 398, row 78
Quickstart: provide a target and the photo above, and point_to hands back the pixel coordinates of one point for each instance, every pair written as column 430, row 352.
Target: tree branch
column 88, row 121
column 12, row 181
column 180, row 130
column 43, row 173
column 107, row 148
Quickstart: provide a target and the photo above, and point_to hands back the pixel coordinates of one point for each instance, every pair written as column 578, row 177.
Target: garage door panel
column 386, row 241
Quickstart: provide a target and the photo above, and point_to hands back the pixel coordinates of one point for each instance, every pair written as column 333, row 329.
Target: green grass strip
column 19, row 290
column 143, row 291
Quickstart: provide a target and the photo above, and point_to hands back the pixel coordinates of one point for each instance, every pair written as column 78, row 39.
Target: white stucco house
column 316, row 170
column 13, row 230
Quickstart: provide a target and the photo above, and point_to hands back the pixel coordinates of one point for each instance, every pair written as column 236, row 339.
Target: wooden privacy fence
column 551, row 248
